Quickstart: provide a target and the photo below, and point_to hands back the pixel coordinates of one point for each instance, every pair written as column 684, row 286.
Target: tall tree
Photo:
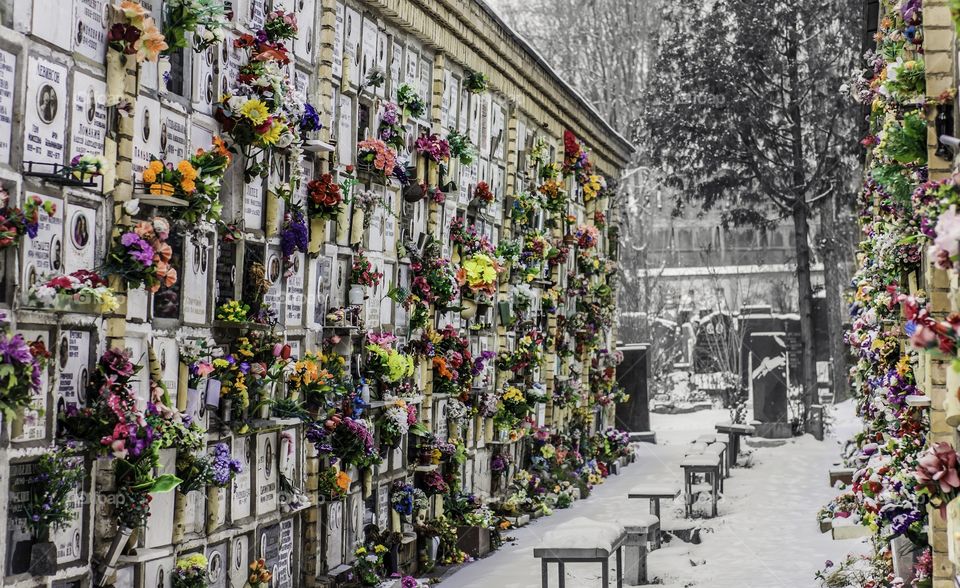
column 744, row 112
column 602, row 47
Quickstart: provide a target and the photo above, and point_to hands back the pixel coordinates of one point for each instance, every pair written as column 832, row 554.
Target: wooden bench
column 707, row 466
column 582, row 540
column 655, row 493
column 734, row 432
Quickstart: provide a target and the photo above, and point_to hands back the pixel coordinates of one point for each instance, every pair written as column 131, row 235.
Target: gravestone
column 632, row 376
column 768, row 384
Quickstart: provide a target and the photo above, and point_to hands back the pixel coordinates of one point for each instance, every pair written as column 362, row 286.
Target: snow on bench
column 582, row 540
column 844, row 475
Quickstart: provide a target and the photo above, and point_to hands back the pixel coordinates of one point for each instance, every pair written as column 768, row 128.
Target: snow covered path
column 765, row 537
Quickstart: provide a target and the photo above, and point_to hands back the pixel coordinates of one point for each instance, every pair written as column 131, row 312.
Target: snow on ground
column 765, row 537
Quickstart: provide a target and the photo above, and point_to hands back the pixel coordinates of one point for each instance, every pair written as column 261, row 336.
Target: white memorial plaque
column 412, row 67
column 239, row 558
column 80, row 238
column 204, row 80
column 32, row 426
column 88, row 126
column 50, row 24
column 158, row 573
column 43, row 255
column 339, row 29
column 160, row 530
column 320, row 277
column 174, row 144
column 240, row 490
column 8, row 77
column 368, row 57
column 45, row 116
column 303, row 46
column 253, row 204
column 146, row 130
column 91, row 22
column 274, row 265
column 346, row 146
column 351, row 44
column 195, row 291
column 386, row 303
column 293, row 306
column 73, row 364
column 267, row 466
column 333, row 527
column 383, row 42
column 396, row 67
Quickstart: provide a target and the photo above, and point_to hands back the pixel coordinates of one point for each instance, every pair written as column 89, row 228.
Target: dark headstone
column 768, row 374
column 632, row 376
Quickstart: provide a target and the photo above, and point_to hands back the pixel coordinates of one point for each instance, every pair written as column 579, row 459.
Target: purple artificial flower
column 15, row 350
column 294, row 236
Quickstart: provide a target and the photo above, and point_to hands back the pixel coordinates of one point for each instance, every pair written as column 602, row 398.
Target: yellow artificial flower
column 273, row 135
column 256, row 111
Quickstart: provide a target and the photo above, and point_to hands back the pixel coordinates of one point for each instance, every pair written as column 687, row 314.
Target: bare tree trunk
column 801, row 227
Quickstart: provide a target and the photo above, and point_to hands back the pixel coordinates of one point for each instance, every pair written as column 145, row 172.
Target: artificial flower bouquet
column 410, row 103
column 259, row 576
column 141, row 256
column 190, row 571
column 478, row 274
column 206, row 19
column 217, row 469
column 82, row 287
column 461, row 148
column 377, row 156
column 391, row 130
column 197, row 179
column 17, row 222
column 386, row 363
column 362, row 272
column 324, row 197
column 349, row 440
column 87, row 166
column 482, row 193
column 433, row 148
column 396, row 421
column 135, row 33
column 406, row 499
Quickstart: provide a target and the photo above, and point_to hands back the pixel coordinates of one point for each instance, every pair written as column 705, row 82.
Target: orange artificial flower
column 189, row 186
column 134, row 13
column 440, row 364
column 187, row 170
column 343, row 480
column 164, row 252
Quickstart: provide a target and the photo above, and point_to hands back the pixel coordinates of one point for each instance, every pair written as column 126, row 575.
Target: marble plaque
column 88, row 125
column 240, row 489
column 72, row 355
column 45, row 116
column 267, row 473
column 80, row 238
column 91, row 23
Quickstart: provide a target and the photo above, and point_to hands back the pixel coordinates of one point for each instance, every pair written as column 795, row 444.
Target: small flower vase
column 117, row 546
column 115, row 77
column 213, row 508
column 433, row 547
column 488, row 429
column 951, row 401
column 367, row 482
column 356, row 295
column 226, row 409
column 396, row 525
column 318, row 234
column 468, row 308
column 180, row 502
column 365, row 393
column 43, row 556
column 356, row 226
